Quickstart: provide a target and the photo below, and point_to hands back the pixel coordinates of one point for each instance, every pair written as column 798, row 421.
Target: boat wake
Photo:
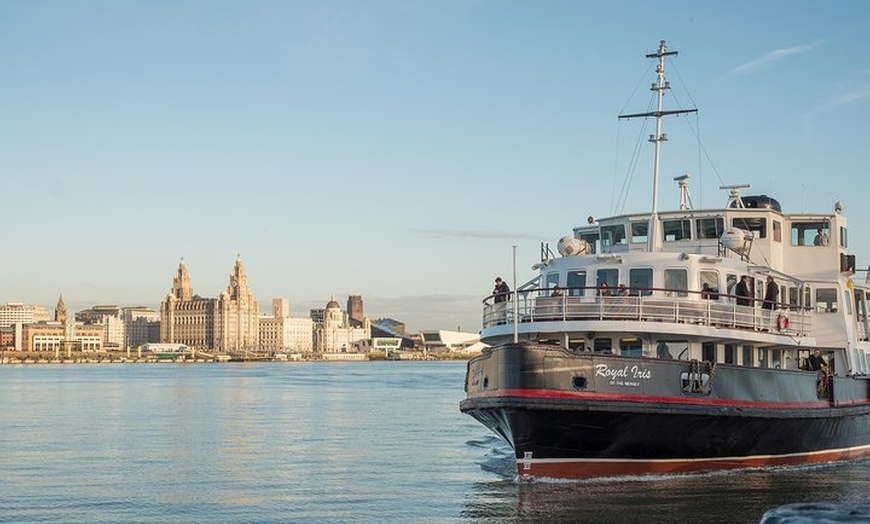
column 499, row 458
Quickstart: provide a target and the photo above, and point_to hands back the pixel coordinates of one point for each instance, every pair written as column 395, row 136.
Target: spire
column 60, row 310
column 181, row 288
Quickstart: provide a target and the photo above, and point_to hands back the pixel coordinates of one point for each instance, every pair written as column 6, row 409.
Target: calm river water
column 317, row 442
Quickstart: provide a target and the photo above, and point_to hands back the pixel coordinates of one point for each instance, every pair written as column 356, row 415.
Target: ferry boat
column 681, row 341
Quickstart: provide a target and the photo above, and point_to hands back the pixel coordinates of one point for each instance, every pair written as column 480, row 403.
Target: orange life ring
column 781, row 323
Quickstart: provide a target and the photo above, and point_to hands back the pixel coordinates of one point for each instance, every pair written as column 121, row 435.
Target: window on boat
column 776, row 358
column 843, row 239
column 612, row 235
column 731, row 353
column 576, row 283
column 677, row 282
column 810, row 233
column 709, row 284
column 757, row 225
column 747, row 355
column 826, row 300
column 678, row 349
column 709, row 227
column 609, row 277
column 552, row 281
column 763, row 358
column 730, row 284
column 577, row 344
column 630, row 347
column 793, row 296
column 593, row 240
column 708, row 351
column 603, row 345
column 847, row 303
column 674, row 230
column 640, row 281
column 777, row 231
column 639, row 232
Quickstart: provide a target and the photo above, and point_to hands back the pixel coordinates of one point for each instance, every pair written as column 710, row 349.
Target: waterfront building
column 355, row 310
column 336, row 334
column 316, row 315
column 141, row 324
column 281, row 333
column 109, row 317
column 449, row 341
column 63, row 335
column 13, row 313
column 226, row 323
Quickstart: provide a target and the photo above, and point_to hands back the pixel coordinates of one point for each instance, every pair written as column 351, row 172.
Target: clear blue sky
column 394, row 149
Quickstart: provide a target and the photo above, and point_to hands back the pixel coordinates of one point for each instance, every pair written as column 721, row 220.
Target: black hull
column 755, row 418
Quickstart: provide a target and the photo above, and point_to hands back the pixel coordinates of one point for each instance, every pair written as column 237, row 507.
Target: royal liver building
column 226, row 323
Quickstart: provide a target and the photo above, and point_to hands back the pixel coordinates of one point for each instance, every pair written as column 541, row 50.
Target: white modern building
column 285, row 334
column 13, row 313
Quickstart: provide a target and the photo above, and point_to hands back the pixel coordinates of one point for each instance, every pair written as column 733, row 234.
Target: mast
column 660, row 86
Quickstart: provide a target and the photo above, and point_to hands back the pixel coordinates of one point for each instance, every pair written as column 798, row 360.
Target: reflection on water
column 734, row 497
column 310, row 442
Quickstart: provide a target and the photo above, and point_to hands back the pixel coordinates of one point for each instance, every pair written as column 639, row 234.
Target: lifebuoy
column 781, row 323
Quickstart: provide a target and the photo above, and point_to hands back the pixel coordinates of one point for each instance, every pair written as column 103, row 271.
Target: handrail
column 647, row 304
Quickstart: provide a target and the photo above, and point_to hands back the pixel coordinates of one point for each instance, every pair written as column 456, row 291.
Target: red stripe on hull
column 580, row 395
column 577, row 469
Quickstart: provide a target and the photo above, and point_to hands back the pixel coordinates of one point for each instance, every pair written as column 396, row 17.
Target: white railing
column 652, row 308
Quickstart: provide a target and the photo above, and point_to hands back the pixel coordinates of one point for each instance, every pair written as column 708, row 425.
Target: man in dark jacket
column 502, row 291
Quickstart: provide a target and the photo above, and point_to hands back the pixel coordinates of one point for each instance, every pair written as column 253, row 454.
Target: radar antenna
column 685, row 197
column 734, row 195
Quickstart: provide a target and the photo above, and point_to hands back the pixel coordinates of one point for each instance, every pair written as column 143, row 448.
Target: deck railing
column 647, row 305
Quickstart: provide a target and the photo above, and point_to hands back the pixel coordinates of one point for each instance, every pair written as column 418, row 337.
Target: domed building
column 336, row 334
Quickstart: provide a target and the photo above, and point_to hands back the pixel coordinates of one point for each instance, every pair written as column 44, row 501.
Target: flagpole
column 516, row 297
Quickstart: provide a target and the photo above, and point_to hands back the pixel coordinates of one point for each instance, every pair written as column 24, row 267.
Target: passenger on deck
column 706, row 292
column 816, row 361
column 622, row 290
column 501, row 291
column 742, row 291
column 771, row 294
column 821, row 238
column 604, row 290
column 557, row 292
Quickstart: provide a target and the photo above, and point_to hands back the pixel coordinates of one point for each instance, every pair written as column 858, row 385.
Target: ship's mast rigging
column 660, row 86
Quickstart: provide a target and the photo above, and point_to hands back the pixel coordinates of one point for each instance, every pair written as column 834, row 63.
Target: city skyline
column 396, row 150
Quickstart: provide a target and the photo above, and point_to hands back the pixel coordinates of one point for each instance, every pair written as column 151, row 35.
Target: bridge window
column 674, row 230
column 677, row 282
column 843, row 239
column 576, row 283
column 709, row 227
column 777, row 231
column 810, row 233
column 593, row 240
column 757, row 225
column 640, row 281
column 639, row 232
column 552, row 280
column 612, row 235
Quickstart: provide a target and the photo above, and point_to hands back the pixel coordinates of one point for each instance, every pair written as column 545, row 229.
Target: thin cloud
column 474, row 233
column 768, row 59
column 840, row 100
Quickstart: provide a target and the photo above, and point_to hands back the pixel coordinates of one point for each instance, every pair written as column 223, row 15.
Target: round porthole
column 579, row 382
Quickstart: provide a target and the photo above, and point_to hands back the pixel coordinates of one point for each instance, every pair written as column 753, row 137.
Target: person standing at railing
column 771, row 294
column 501, row 291
column 742, row 291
